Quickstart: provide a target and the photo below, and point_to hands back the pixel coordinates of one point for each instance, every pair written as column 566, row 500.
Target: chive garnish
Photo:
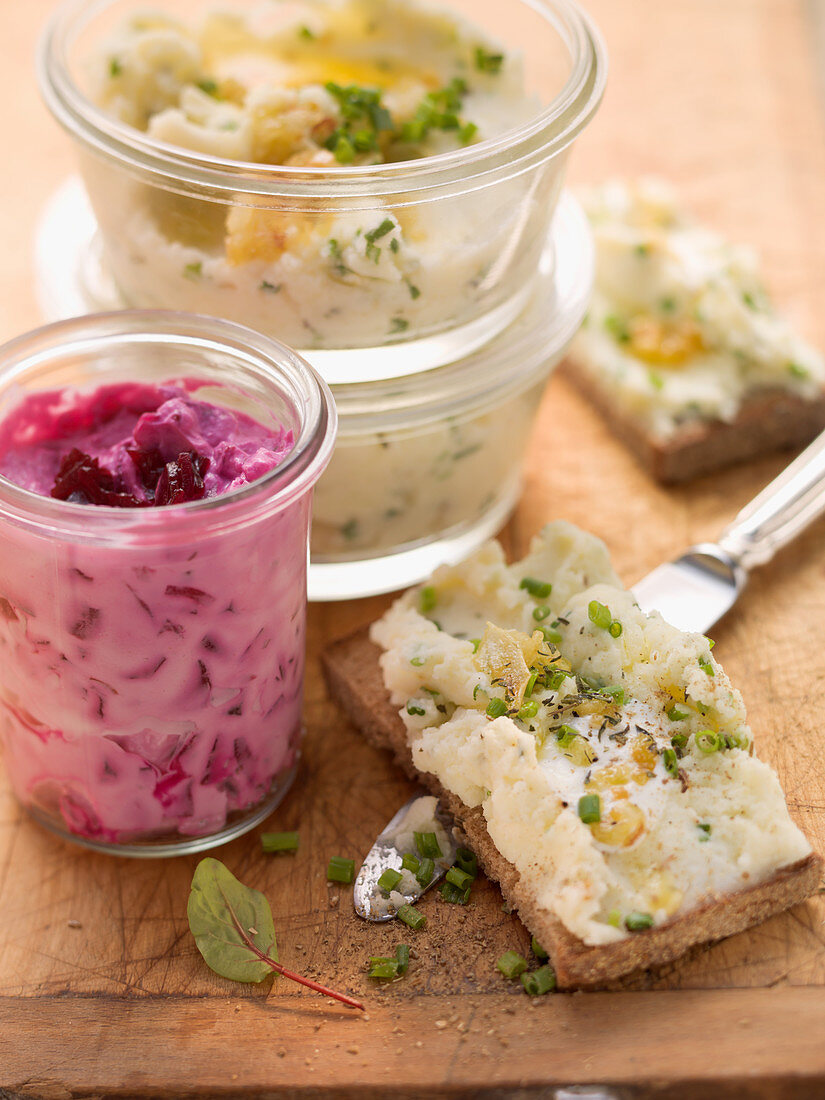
column 496, row 708
column 541, row 981
column 410, row 863
column 637, row 922
column 427, row 844
column 425, row 871
column 467, row 861
column 599, row 614
column 537, row 949
column 410, row 916
column 389, row 879
column 671, row 762
column 413, row 708
column 706, row 830
column 615, row 629
column 539, row 590
column 193, row 271
column 511, row 964
column 383, row 968
column 550, row 635
column 706, row 666
column 708, row 742
column 341, row 870
column 676, row 715
column 402, row 955
column 541, row 612
column 279, row 842
column 459, row 878
column 528, row 710
column 451, row 893
column 427, row 599
column 417, row 662
column 590, row 809
column 487, row 62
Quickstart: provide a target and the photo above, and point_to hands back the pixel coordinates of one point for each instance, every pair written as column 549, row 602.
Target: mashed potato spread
column 609, row 752
column 680, row 326
column 324, row 85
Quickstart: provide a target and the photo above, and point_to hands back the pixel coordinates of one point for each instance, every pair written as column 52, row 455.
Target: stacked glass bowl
column 437, row 375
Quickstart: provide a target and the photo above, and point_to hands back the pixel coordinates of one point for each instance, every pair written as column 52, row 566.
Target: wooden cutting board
column 102, row 992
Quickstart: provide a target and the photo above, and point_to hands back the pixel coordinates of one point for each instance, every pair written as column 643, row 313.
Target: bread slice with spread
column 682, row 351
column 597, row 760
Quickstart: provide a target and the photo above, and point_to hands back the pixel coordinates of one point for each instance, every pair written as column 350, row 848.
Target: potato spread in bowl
column 342, row 174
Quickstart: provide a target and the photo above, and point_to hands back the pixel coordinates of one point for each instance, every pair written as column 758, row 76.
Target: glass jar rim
column 509, row 154
column 512, row 361
column 298, row 383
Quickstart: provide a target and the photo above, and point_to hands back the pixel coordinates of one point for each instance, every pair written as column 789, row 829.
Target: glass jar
column 429, row 465
column 468, row 226
column 151, row 659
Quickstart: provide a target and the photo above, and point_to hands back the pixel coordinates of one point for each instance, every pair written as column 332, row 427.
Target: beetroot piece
column 182, row 479
column 82, row 480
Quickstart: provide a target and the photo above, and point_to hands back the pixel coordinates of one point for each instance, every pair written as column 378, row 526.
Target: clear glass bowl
column 476, row 218
column 151, row 660
column 427, row 466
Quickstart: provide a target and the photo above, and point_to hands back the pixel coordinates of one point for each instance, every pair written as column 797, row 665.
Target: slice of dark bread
column 771, row 420
column 354, row 679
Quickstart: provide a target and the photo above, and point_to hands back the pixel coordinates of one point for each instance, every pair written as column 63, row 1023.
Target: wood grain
column 718, row 95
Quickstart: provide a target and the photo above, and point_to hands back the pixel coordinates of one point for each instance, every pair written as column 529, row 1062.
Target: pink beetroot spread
column 148, row 690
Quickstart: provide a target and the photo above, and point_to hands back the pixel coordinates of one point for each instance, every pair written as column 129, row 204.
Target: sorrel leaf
column 226, row 918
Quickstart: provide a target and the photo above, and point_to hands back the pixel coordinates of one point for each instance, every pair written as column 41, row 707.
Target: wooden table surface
column 102, row 992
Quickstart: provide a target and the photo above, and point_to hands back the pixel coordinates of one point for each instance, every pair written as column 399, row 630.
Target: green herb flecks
column 541, row 981
column 340, row 869
column 234, row 931
column 209, row 86
column 115, row 67
column 280, row 842
column 398, row 324
column 269, row 288
column 487, row 62
column 193, row 271
column 364, row 118
column 511, row 964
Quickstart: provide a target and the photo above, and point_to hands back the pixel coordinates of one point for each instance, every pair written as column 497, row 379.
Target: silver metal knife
column 697, row 589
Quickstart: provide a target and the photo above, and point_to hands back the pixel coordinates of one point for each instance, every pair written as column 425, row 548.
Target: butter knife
column 699, row 587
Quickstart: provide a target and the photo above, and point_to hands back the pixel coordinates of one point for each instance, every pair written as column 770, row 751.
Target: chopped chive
column 541, row 612
column 656, row 379
column 402, row 955
column 637, row 922
column 614, row 918
column 708, row 742
column 476, row 690
column 476, row 644
column 459, row 878
column 539, row 590
column 706, row 666
column 642, row 249
column 115, row 67
column 679, row 741
column 417, row 662
column 528, row 710
column 511, row 964
column 487, row 62
column 706, row 830
column 209, row 86
column 531, row 683
column 344, row 150
column 425, row 871
column 467, row 132
column 427, row 844
column 615, row 629
column 537, row 949
column 305, row 32
column 386, row 226
column 451, row 893
column 279, row 842
column 413, row 708
column 566, row 734
column 427, row 599
column 616, row 694
column 398, row 324
column 270, row 288
column 590, row 809
column 410, row 863
column 389, row 879
column 676, row 715
column 496, row 708
column 193, row 271
column 671, row 762
column 467, row 861
column 410, row 916
column 557, row 678
column 667, row 305
column 599, row 614
column 551, row 636
column 617, row 328
column 541, row 981
column 341, row 870
column 383, row 968
column 796, row 370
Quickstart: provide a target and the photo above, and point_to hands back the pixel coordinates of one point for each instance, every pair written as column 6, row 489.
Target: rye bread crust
column 354, row 679
column 772, row 420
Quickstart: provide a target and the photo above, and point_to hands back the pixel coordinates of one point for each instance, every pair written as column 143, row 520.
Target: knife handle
column 780, row 511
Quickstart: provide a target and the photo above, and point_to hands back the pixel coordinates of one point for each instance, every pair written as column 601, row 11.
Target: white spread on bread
column 680, row 326
column 608, row 751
